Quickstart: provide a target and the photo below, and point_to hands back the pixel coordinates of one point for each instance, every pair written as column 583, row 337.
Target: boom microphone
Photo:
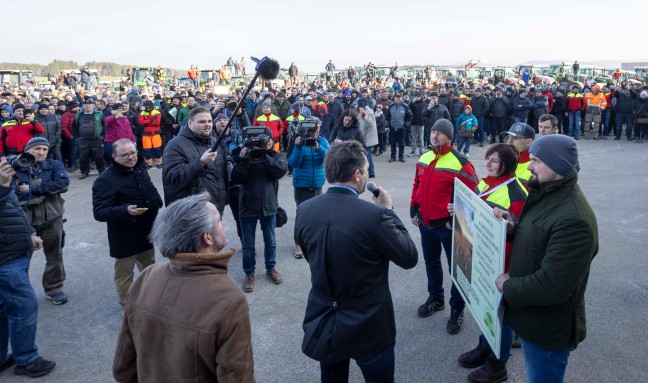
column 372, row 187
column 267, row 69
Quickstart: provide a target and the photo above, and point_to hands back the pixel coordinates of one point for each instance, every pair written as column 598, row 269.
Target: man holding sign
column 554, row 243
column 432, row 191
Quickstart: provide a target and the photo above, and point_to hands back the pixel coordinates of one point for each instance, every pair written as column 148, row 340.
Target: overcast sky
column 176, row 33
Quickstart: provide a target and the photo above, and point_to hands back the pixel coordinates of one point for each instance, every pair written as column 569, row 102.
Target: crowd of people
column 213, row 155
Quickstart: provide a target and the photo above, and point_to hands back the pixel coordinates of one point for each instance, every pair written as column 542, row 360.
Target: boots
column 492, row 372
column 475, row 357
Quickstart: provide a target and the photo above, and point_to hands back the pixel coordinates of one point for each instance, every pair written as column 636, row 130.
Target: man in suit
column 350, row 314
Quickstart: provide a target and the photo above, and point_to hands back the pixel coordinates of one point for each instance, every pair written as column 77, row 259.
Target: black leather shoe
column 493, row 371
column 475, row 357
column 455, row 321
column 38, row 367
column 430, row 307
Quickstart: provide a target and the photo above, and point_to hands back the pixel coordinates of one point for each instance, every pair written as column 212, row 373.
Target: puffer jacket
column 15, row 230
column 431, row 115
column 308, row 165
column 52, row 128
column 368, row 127
column 343, row 133
column 521, row 107
column 540, row 105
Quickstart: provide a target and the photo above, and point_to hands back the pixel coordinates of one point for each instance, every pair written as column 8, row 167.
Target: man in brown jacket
column 186, row 320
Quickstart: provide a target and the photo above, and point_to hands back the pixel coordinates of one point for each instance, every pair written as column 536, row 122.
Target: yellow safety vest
column 504, row 195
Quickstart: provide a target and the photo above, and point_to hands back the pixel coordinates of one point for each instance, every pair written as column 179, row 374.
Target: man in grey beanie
column 554, row 243
column 433, row 189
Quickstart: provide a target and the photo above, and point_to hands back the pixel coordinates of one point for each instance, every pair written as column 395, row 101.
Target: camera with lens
column 304, row 130
column 21, row 161
column 256, row 140
column 230, row 103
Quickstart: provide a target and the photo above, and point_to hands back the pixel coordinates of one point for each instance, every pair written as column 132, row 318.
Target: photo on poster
column 463, row 240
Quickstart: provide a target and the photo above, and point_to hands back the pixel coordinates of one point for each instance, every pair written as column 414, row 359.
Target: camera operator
column 307, row 161
column 39, row 190
column 233, row 140
column 17, row 298
column 258, row 171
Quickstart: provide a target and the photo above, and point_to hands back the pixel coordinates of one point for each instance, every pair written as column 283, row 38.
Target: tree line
column 109, row 69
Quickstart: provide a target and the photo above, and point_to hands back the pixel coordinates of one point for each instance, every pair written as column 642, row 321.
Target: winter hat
column 558, row 152
column 220, row 116
column 42, row 106
column 18, row 106
column 468, row 107
column 156, row 103
column 35, row 142
column 72, row 105
column 266, row 103
column 444, row 126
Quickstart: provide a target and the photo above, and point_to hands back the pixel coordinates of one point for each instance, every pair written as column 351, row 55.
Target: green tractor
column 15, row 77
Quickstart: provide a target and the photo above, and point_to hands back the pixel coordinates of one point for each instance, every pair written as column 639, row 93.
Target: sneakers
column 248, row 284
column 493, row 371
column 298, row 252
column 9, row 362
column 392, row 159
column 455, row 321
column 430, row 307
column 38, row 367
column 466, row 155
column 475, row 357
column 59, row 298
column 411, row 154
column 401, row 159
column 83, row 175
column 275, row 276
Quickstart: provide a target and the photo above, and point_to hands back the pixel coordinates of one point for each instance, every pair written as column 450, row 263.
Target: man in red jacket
column 574, row 106
column 67, row 119
column 149, row 119
column 273, row 122
column 15, row 133
column 432, row 191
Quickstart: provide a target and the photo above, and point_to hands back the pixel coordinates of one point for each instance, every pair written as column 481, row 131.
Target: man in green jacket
column 554, row 243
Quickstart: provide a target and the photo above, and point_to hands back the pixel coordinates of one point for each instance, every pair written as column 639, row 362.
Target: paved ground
column 80, row 335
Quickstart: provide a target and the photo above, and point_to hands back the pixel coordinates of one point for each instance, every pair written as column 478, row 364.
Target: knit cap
column 444, row 126
column 35, row 142
column 558, row 152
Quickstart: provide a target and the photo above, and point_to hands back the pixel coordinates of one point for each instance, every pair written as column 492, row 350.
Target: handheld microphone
column 372, row 187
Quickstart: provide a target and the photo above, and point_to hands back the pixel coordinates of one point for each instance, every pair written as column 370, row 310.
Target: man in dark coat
column 554, row 243
column 124, row 197
column 190, row 166
column 350, row 313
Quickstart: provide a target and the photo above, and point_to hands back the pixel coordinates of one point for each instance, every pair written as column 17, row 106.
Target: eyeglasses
column 126, row 156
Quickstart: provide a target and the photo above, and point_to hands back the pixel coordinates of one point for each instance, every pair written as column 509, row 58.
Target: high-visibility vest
column 503, row 196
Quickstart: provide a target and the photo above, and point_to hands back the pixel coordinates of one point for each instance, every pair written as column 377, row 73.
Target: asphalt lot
column 81, row 335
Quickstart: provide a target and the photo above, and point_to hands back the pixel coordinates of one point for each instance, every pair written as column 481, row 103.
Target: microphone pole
column 268, row 69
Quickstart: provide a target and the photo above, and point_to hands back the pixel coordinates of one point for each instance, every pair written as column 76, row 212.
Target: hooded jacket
column 326, row 120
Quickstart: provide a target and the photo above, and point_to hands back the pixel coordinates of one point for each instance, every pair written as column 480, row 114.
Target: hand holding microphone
column 380, row 196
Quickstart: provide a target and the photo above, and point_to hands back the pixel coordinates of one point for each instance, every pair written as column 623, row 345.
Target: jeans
column 370, row 160
column 375, row 368
column 624, row 118
column 431, row 241
column 18, row 312
column 73, row 152
column 574, row 128
column 506, row 343
column 397, row 136
column 248, row 228
column 605, row 121
column 542, row 365
column 521, row 119
column 479, row 133
column 463, row 143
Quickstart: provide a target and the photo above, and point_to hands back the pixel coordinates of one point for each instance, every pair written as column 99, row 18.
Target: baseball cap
column 520, row 129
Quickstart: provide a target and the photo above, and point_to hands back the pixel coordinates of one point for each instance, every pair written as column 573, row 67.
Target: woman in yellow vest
column 502, row 189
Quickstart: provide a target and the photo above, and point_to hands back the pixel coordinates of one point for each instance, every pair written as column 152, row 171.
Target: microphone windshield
column 372, row 187
column 267, row 68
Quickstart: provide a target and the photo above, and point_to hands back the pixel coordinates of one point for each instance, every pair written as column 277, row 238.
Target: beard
column 533, row 181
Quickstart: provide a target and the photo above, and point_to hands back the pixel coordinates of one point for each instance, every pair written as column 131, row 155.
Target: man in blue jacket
column 39, row 191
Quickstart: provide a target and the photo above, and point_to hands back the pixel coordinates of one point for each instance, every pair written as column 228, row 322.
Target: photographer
column 307, row 161
column 258, row 171
column 39, row 190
